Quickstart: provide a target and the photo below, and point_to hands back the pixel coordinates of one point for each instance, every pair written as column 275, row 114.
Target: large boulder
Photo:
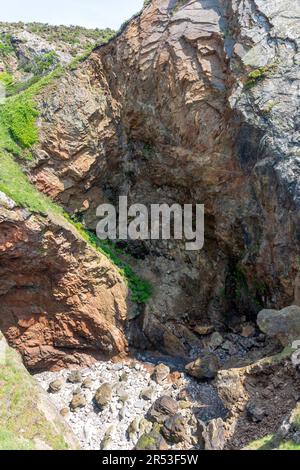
column 281, row 324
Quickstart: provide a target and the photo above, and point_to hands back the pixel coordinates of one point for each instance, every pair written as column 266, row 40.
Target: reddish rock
column 59, row 298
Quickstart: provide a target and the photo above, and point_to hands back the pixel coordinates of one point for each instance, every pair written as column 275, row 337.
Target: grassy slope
column 18, row 132
column 20, row 419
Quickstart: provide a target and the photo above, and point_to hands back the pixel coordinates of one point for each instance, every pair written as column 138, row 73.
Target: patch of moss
column 258, row 75
column 265, row 443
column 147, row 441
column 288, row 445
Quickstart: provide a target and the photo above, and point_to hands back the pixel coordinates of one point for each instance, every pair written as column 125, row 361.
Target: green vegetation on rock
column 22, row 425
column 141, row 290
column 258, row 75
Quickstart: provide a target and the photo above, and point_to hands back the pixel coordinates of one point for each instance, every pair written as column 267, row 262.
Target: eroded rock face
column 167, row 112
column 59, row 299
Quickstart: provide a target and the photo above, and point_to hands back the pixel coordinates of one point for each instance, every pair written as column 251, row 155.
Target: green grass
column 288, row 445
column 258, row 75
column 81, row 57
column 18, row 115
column 141, row 290
column 261, row 444
column 15, row 184
column 20, row 419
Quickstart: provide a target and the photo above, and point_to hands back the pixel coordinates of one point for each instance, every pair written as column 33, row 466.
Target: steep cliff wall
column 193, row 102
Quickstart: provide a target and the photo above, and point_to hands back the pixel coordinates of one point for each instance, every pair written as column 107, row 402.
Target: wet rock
column 160, row 373
column 215, row 341
column 255, row 412
column 175, row 429
column 151, row 441
column 204, row 368
column 162, row 408
column 282, row 324
column 103, row 395
column 74, row 377
column 55, row 386
column 78, row 401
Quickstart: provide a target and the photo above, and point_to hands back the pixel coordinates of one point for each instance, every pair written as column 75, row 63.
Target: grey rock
column 175, row 429
column 215, row 341
column 255, row 412
column 160, row 373
column 282, row 324
column 162, row 408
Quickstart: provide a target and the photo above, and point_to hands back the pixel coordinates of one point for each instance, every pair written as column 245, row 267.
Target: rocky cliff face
column 193, row 102
column 60, row 299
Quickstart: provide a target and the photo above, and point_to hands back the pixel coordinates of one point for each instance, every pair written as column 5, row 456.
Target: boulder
column 281, row 324
column 255, row 411
column 103, row 395
column 74, row 377
column 87, row 383
column 147, row 394
column 212, row 436
column 204, row 368
column 215, row 341
column 160, row 373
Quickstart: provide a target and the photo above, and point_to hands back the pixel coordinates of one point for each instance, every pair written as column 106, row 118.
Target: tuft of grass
column 18, row 115
column 288, row 445
column 141, row 290
column 15, row 184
